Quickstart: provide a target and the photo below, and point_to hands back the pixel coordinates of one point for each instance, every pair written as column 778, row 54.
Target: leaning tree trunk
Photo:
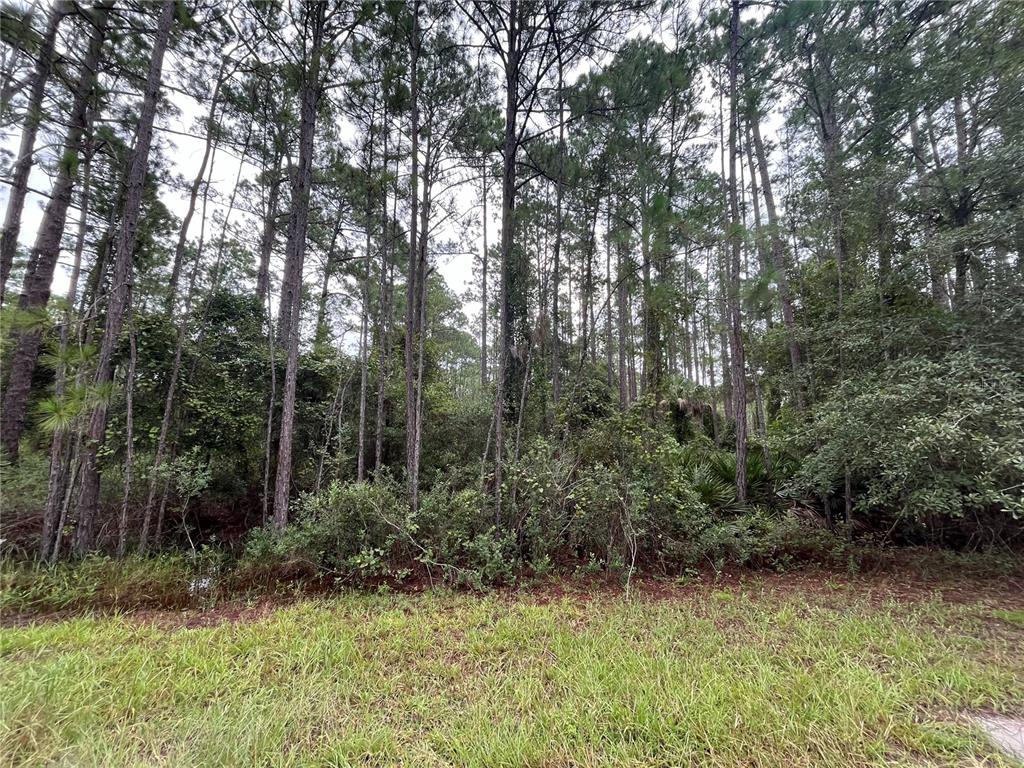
column 777, row 253
column 36, row 290
column 24, row 161
column 58, row 446
column 88, row 500
column 172, row 384
column 193, row 193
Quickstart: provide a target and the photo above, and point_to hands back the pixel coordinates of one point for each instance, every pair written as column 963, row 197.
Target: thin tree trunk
column 43, row 261
column 129, row 456
column 608, row 294
column 88, row 501
column 623, row 318
column 421, row 322
column 268, row 237
column 322, row 333
column 364, row 341
column 208, row 148
column 26, row 149
column 739, row 378
column 294, row 257
column 268, row 442
column 387, row 281
column 483, row 282
column 58, row 466
column 556, row 356
column 172, row 384
column 411, row 288
column 778, row 260
column 936, row 275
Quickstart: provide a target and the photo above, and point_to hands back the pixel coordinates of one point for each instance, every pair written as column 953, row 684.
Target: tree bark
column 172, row 384
column 295, row 253
column 36, row 291
column 88, row 500
column 411, row 288
column 129, row 456
column 58, row 465
column 778, row 260
column 556, row 355
column 387, row 281
column 739, row 379
column 193, row 193
column 364, row 341
column 483, row 281
column 268, row 236
column 26, row 149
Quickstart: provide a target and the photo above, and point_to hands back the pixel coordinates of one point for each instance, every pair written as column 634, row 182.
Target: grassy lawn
column 767, row 671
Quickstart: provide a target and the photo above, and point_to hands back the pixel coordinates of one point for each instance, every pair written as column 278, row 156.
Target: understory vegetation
column 474, row 292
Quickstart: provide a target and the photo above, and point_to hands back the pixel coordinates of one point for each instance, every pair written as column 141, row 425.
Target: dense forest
column 485, row 287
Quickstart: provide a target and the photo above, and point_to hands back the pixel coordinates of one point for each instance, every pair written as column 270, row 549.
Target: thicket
column 753, row 293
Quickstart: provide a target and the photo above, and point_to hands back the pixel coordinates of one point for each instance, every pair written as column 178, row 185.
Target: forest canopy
column 483, row 288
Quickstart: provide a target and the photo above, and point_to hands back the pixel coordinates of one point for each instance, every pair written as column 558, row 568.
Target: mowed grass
column 740, row 676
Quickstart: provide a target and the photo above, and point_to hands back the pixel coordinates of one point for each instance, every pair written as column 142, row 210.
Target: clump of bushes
column 621, row 494
column 933, row 449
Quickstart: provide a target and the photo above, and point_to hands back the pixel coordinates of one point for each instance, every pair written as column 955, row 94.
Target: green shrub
column 348, row 530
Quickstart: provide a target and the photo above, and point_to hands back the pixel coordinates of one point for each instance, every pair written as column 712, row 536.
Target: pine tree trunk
column 411, row 288
column 295, row 253
column 556, row 355
column 268, row 236
column 58, row 464
column 387, row 280
column 739, row 379
column 623, row 318
column 88, row 500
column 778, row 261
column 609, row 376
column 172, row 384
column 513, row 277
column 209, row 146
column 483, row 282
column 26, row 149
column 364, row 341
column 129, row 456
column 36, row 290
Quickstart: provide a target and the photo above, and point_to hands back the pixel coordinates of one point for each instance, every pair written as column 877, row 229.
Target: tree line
column 785, row 237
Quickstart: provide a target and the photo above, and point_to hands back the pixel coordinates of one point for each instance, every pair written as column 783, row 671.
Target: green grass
column 761, row 678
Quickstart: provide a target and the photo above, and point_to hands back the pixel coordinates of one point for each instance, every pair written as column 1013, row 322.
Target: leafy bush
column 345, row 531
column 925, row 441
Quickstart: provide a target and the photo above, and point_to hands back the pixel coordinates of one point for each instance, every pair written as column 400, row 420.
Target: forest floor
column 803, row 669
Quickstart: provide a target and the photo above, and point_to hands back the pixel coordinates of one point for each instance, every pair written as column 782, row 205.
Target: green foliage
column 924, row 440
column 347, row 531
